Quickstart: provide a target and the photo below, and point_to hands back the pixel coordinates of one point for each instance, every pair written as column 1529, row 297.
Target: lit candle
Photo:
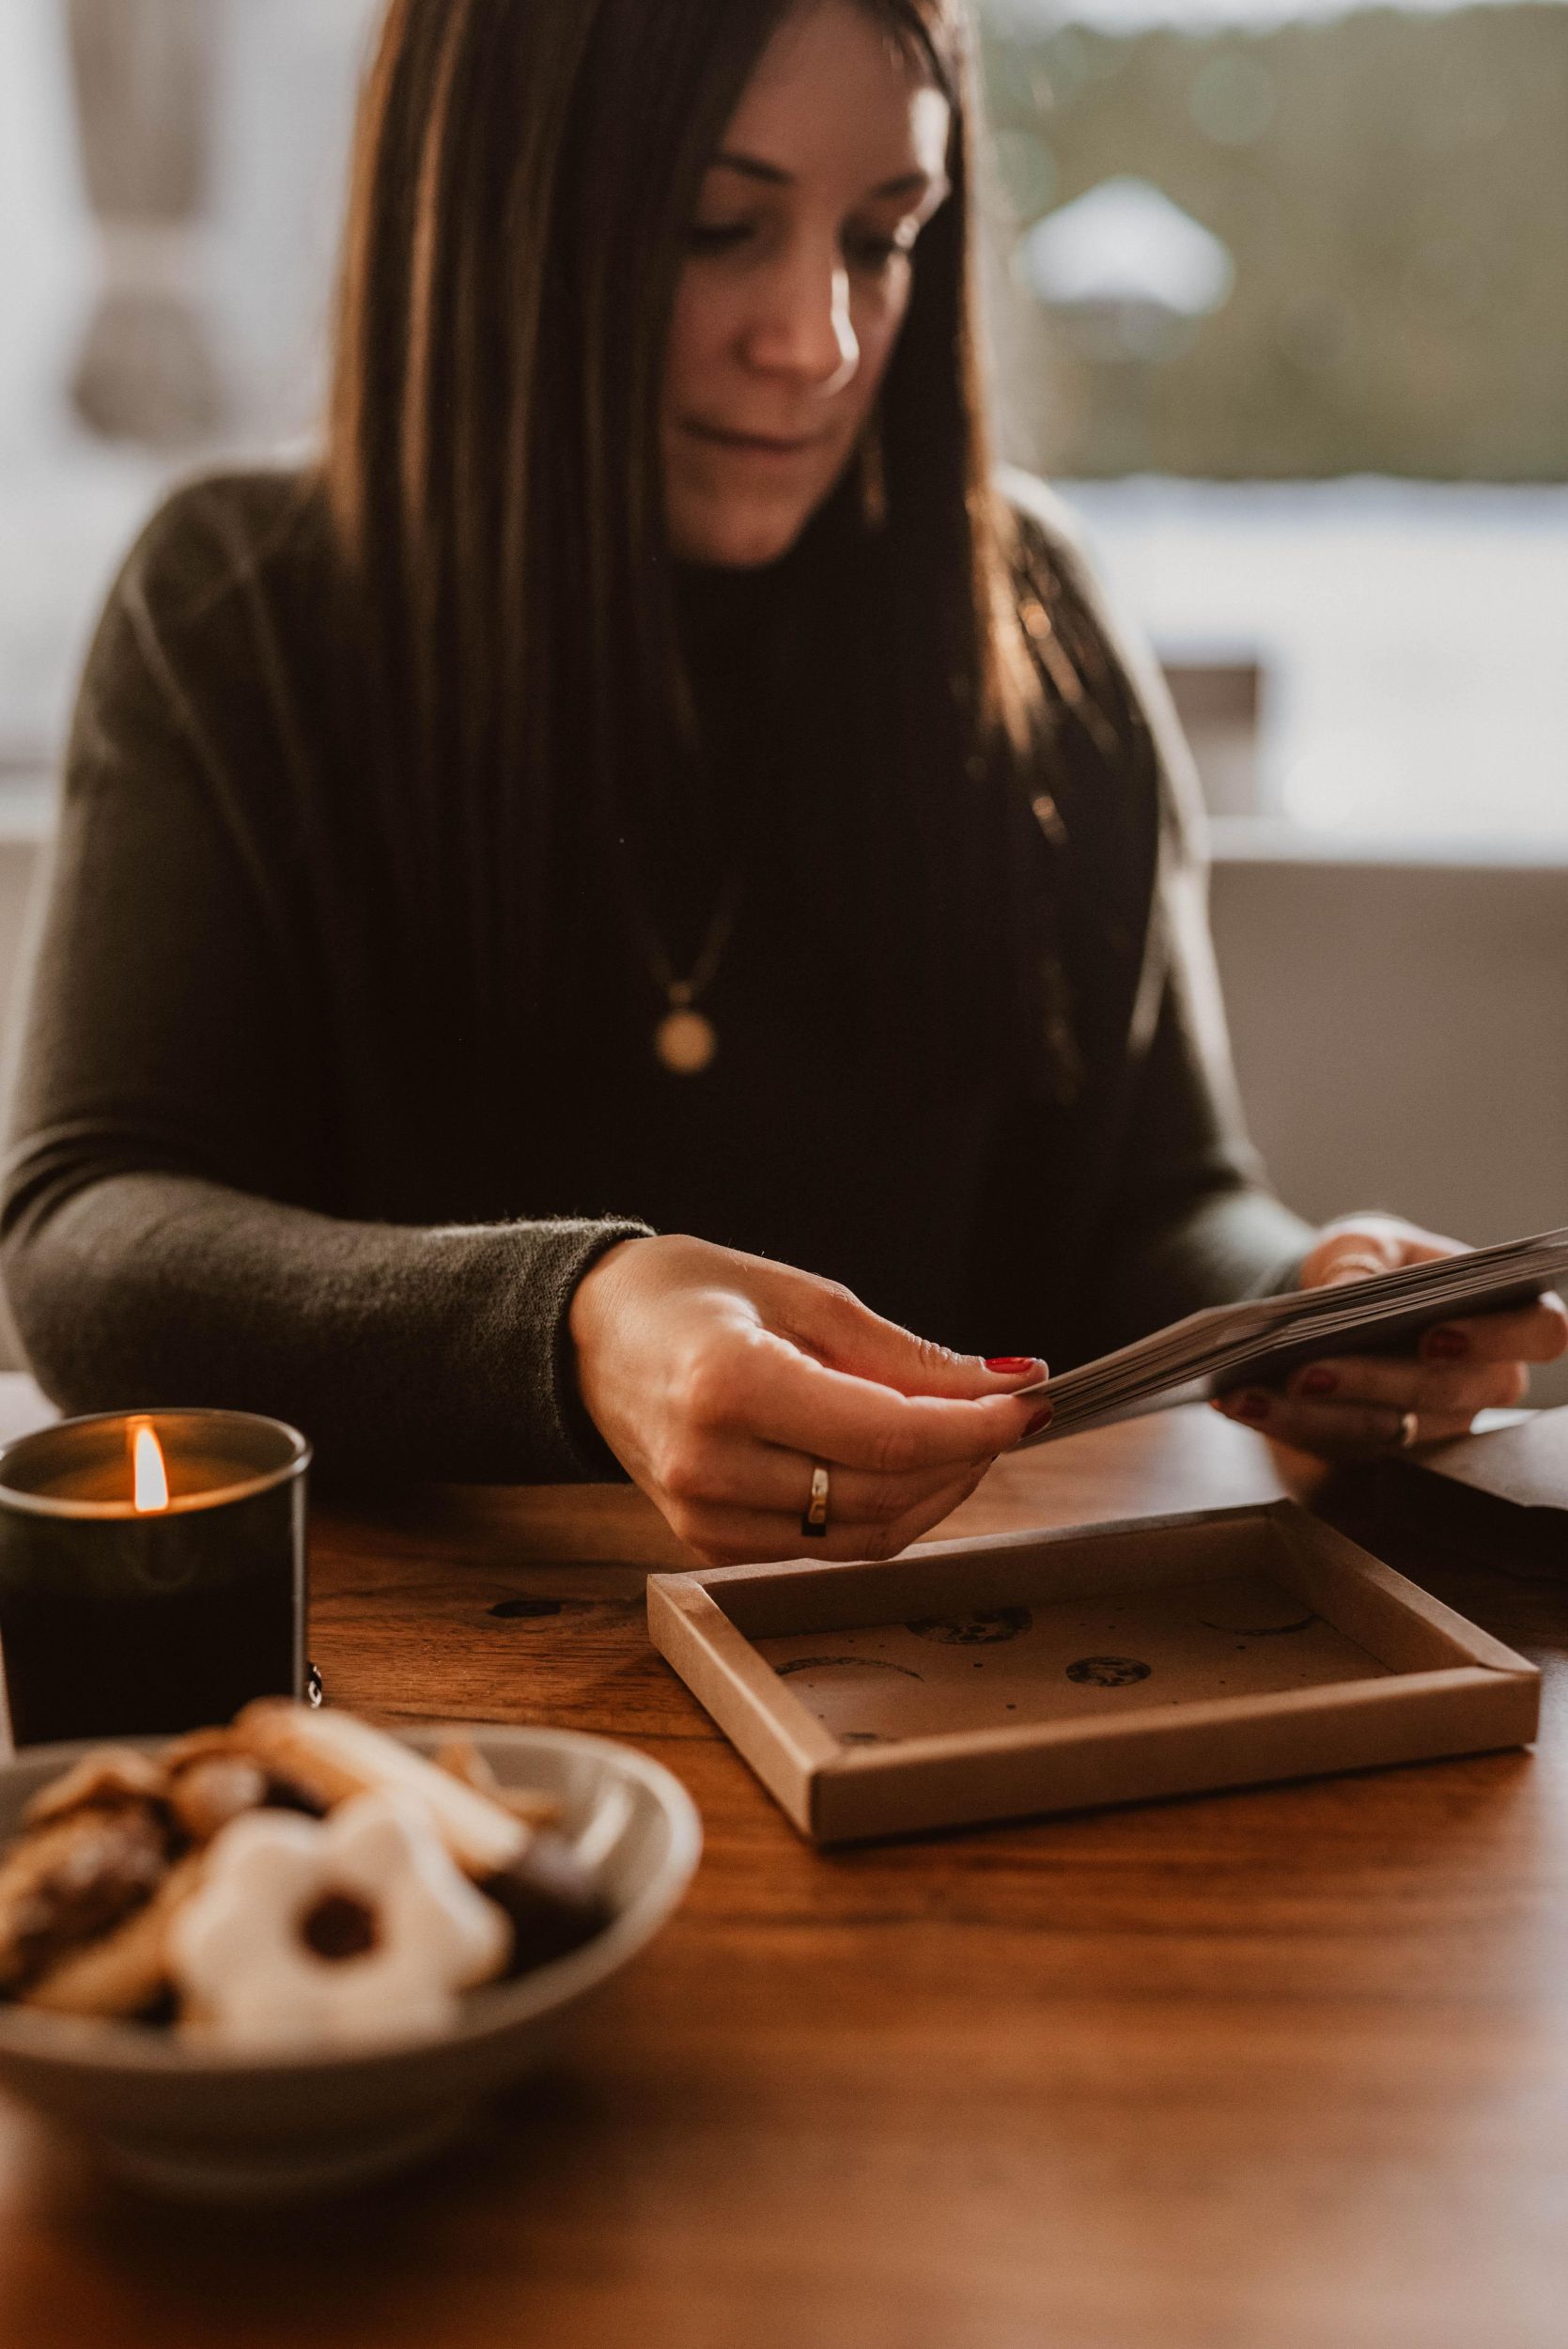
column 152, row 1571
column 150, row 1480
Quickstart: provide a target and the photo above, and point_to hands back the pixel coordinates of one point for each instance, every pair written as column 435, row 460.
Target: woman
column 645, row 848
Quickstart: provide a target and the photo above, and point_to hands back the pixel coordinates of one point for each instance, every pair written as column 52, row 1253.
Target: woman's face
column 795, row 282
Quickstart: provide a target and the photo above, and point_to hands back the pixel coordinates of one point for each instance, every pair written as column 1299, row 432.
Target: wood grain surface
column 1270, row 2070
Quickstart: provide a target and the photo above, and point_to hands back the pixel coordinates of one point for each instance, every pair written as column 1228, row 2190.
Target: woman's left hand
column 1352, row 1407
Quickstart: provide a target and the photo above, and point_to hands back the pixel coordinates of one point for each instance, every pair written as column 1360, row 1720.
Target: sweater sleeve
column 1190, row 1219
column 161, row 1237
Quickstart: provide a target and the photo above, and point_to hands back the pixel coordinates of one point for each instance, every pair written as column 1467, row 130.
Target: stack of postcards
column 1261, row 1342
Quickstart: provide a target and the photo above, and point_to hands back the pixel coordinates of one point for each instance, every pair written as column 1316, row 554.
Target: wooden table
column 1281, row 2069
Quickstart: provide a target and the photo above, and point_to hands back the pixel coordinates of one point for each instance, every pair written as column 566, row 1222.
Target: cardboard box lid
column 946, row 1685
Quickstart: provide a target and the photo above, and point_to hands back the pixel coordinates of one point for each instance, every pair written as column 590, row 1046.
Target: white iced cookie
column 352, row 1928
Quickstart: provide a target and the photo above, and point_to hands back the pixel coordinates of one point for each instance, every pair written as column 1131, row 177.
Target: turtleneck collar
column 723, row 612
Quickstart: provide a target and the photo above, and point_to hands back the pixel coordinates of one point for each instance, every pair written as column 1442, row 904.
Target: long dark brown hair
column 525, row 172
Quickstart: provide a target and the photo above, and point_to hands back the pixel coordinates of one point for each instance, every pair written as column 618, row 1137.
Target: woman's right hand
column 718, row 1379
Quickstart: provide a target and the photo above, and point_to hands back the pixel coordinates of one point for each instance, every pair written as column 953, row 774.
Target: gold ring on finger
column 1359, row 1260
column 814, row 1522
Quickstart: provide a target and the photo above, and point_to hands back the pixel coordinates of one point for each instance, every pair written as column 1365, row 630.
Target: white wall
column 1400, row 1031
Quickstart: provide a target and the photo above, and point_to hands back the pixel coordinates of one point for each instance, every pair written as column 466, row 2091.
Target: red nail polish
column 1445, row 1346
column 1009, row 1364
column 1316, row 1381
column 1042, row 1418
column 1252, row 1406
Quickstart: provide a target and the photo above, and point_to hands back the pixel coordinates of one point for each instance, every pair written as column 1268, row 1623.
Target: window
column 1285, row 301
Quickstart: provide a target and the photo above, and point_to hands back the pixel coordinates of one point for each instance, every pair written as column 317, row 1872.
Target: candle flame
column 152, row 1484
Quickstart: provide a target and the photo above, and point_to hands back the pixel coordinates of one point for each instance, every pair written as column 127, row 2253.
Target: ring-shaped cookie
column 248, row 1976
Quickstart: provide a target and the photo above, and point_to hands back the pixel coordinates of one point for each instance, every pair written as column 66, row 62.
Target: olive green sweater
column 228, row 1184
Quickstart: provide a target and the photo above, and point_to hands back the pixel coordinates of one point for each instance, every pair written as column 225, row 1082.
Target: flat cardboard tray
column 1056, row 1671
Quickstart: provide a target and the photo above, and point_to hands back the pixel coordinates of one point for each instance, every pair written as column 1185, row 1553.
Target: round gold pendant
column 684, row 1042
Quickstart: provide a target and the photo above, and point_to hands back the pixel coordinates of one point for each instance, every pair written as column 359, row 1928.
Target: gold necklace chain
column 684, row 1038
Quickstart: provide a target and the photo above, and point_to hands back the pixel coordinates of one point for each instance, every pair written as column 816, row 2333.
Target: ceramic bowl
column 197, row 2124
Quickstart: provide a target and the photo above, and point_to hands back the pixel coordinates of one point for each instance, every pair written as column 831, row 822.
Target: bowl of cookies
column 295, row 1954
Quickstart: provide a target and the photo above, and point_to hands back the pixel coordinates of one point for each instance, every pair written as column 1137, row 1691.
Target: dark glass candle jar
column 152, row 1571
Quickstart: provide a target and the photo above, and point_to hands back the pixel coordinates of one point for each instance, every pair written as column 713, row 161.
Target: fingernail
column 1042, row 1418
column 1444, row 1345
column 1252, row 1406
column 1316, row 1381
column 1008, row 1365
